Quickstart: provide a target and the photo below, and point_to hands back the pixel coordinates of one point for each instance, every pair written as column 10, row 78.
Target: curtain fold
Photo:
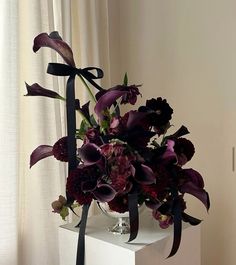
column 8, row 132
column 29, row 234
column 41, row 121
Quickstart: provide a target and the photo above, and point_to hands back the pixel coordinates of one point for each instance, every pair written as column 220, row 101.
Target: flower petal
column 169, row 155
column 39, row 153
column 37, row 90
column 144, row 174
column 55, row 42
column 201, row 194
column 104, row 193
column 106, row 100
column 194, row 176
column 90, row 154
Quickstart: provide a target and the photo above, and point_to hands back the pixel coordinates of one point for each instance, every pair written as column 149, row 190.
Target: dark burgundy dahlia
column 60, row 150
column 119, row 204
column 159, row 111
column 77, row 180
column 184, row 150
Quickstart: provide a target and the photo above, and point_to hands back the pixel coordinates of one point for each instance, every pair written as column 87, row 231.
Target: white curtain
column 29, row 230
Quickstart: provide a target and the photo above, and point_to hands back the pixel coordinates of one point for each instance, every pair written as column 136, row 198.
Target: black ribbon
column 133, row 215
column 81, row 239
column 177, row 226
column 66, row 70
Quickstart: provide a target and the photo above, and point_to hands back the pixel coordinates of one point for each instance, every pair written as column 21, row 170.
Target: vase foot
column 121, row 227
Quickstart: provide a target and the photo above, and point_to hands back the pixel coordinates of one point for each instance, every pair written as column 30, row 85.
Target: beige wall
column 186, row 51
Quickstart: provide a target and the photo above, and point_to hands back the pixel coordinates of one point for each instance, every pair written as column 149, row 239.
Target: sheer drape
column 9, row 132
column 29, row 231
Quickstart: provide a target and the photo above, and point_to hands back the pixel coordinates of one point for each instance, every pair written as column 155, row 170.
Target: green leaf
column 80, row 133
column 125, row 81
column 93, row 121
column 64, row 212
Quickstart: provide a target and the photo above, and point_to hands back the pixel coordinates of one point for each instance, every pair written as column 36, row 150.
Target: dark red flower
column 184, row 150
column 75, row 182
column 159, row 112
column 119, row 204
column 60, row 150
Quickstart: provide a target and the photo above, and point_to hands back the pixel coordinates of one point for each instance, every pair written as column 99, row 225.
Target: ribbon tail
column 81, row 238
column 133, row 215
column 71, row 123
column 177, row 227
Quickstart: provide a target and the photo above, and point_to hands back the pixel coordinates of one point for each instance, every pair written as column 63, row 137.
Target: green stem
column 84, row 118
column 88, row 88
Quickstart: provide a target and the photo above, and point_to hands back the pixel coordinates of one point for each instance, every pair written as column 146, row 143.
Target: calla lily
column 90, row 154
column 144, row 174
column 104, row 193
column 55, row 42
column 106, row 100
column 36, row 90
column 39, row 153
column 195, row 187
column 108, row 97
column 135, row 118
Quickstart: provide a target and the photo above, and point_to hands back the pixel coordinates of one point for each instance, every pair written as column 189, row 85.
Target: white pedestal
column 152, row 245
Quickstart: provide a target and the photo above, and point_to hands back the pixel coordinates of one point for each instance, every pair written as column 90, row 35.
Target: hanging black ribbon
column 66, row 70
column 133, row 215
column 81, row 239
column 177, row 226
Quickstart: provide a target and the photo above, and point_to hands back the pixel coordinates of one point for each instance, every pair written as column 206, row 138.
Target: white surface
column 151, row 246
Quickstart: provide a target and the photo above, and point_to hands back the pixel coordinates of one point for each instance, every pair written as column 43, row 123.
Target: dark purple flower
column 109, row 97
column 60, row 149
column 75, row 181
column 164, row 220
column 184, row 150
column 37, row 90
column 93, row 136
column 159, row 112
column 104, row 193
column 55, row 42
column 194, row 185
column 169, row 155
column 90, row 153
column 119, row 204
column 144, row 174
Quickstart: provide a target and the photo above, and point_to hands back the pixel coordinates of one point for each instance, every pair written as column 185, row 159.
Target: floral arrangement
column 124, row 160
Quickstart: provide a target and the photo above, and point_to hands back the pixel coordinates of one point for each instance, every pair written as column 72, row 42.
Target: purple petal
column 197, row 192
column 144, row 175
column 37, row 90
column 39, row 153
column 104, row 193
column 194, row 177
column 55, row 42
column 106, row 100
column 135, row 118
column 169, row 155
column 90, row 154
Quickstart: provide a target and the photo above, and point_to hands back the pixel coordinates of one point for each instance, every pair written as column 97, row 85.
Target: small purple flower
column 164, row 220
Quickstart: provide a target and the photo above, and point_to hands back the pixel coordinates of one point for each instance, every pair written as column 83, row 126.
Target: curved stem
column 88, row 88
